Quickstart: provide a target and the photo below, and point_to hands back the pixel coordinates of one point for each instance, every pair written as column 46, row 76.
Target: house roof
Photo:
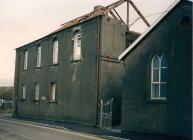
column 6, row 92
column 133, row 45
column 98, row 11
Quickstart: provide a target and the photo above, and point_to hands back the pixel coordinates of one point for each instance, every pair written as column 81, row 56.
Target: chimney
column 98, row 8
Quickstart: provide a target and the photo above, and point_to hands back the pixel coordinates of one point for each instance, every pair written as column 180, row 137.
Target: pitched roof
column 98, row 11
column 133, row 45
column 6, row 92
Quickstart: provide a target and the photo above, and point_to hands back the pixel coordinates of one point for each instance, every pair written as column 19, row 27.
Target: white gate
column 106, row 113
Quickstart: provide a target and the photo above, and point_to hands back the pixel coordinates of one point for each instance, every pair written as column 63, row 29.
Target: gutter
column 16, row 84
column 98, row 49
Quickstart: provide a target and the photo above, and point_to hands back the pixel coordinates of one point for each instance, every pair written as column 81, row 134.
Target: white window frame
column 39, row 53
column 55, row 52
column 159, row 81
column 24, row 92
column 53, row 91
column 77, row 56
column 25, row 60
column 37, row 91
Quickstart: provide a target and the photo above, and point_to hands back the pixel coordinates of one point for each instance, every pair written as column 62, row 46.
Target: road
column 14, row 130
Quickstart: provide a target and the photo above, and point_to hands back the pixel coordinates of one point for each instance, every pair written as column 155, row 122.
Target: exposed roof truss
column 110, row 9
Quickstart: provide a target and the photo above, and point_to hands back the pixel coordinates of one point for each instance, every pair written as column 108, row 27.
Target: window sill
column 75, row 61
column 52, row 101
column 38, row 67
column 36, row 101
column 25, row 70
column 158, row 100
column 23, row 100
column 52, row 65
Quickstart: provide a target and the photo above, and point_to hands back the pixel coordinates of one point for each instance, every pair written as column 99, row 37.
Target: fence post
column 111, row 112
column 101, row 114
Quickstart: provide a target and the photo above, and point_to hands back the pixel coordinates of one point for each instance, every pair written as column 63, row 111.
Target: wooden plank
column 113, row 15
column 128, row 15
column 120, row 18
column 104, row 11
column 139, row 13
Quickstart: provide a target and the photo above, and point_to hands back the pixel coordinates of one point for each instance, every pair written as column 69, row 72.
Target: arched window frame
column 37, row 91
column 161, row 80
column 55, row 51
column 39, row 53
column 77, row 56
column 25, row 60
column 23, row 92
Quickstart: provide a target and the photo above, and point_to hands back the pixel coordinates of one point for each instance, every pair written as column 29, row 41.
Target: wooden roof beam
column 103, row 11
column 120, row 18
column 139, row 13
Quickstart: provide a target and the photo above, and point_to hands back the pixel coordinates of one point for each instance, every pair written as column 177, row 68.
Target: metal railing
column 106, row 113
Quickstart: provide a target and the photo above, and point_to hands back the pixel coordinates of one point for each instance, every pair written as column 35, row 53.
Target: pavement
column 14, row 130
column 81, row 130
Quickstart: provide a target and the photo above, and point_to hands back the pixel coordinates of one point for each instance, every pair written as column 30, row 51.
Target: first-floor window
column 25, row 60
column 23, row 92
column 37, row 91
column 39, row 56
column 158, row 77
column 77, row 46
column 55, row 52
column 53, row 91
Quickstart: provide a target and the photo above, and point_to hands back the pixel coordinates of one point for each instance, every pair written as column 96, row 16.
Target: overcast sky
column 22, row 21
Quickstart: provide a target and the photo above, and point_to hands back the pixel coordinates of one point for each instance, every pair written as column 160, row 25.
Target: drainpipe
column 16, row 83
column 98, row 72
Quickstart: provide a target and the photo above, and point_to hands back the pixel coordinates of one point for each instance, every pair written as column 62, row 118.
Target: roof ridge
column 149, row 29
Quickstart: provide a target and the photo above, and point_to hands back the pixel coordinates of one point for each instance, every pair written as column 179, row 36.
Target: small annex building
column 6, row 95
column 157, row 79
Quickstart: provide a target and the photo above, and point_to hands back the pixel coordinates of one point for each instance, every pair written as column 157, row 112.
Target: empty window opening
column 25, row 59
column 37, row 91
column 39, row 56
column 55, row 52
column 23, row 92
column 53, row 91
column 77, row 46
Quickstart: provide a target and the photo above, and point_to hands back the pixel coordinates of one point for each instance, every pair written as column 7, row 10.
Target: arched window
column 23, row 92
column 158, row 77
column 55, row 51
column 185, row 22
column 25, row 59
column 39, row 56
column 77, row 46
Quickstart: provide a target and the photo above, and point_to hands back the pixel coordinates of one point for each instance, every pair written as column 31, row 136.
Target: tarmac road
column 13, row 130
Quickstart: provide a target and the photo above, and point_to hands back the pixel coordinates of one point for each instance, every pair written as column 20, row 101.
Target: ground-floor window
column 23, row 92
column 158, row 77
column 37, row 91
column 53, row 91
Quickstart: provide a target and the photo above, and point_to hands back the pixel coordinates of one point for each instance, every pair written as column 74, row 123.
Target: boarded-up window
column 39, row 56
column 25, row 59
column 53, row 91
column 77, row 46
column 55, row 52
column 158, row 77
column 185, row 22
column 37, row 91
column 23, row 92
